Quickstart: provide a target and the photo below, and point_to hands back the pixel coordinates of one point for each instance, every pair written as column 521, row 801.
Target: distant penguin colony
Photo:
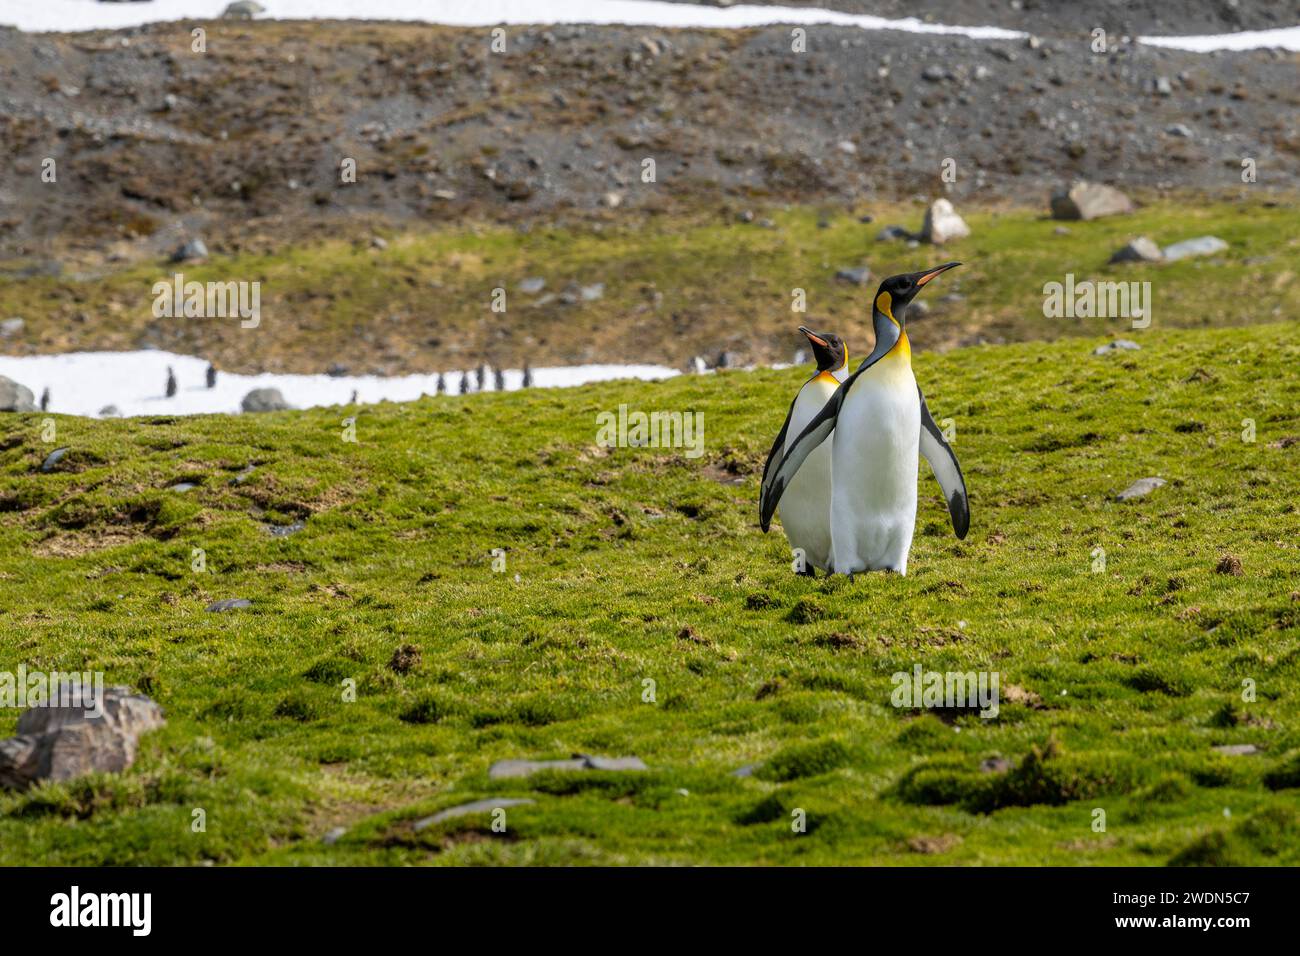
column 876, row 425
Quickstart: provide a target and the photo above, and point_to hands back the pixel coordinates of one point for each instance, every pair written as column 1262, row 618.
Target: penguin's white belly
column 874, row 463
column 805, row 506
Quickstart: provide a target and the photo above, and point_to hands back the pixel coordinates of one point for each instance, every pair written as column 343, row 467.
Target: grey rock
column 194, row 249
column 860, row 275
column 53, row 458
column 478, row 806
column 264, row 400
column 942, row 224
column 110, row 411
column 1118, row 345
column 1163, row 87
column 336, row 834
column 182, row 486
column 64, row 742
column 15, row 397
column 531, row 286
column 746, row 771
column 11, row 327
column 1140, row 249
column 995, row 765
column 1140, row 488
column 505, row 769
column 593, row 292
column 934, row 73
column 1200, row 246
column 1236, row 750
column 242, row 10
column 1085, row 200
column 847, row 146
column 284, row 530
column 728, row 360
column 336, row 370
column 228, row 604
column 1181, row 130
column 890, row 233
column 615, row 763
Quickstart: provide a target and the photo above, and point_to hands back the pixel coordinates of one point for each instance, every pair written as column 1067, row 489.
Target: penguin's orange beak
column 925, row 277
column 814, row 338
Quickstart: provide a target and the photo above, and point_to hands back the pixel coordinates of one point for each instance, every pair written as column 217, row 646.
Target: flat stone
column 615, row 763
column 860, row 275
column 531, row 286
column 1200, row 246
column 1118, row 345
column 1140, row 488
column 1236, row 750
column 284, row 530
column 334, row 836
column 890, row 233
column 53, row 458
column 505, row 769
column 478, row 806
column 228, row 604
column 746, row 771
column 182, row 486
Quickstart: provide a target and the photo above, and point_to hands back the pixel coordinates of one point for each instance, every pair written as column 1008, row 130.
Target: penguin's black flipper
column 945, row 467
column 774, row 484
column 774, row 455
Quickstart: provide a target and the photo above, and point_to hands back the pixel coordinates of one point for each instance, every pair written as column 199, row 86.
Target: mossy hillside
column 639, row 564
column 425, row 301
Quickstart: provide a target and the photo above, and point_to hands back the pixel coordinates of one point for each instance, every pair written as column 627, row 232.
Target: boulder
column 242, row 10
column 1140, row 249
column 15, row 397
column 60, row 743
column 1200, row 246
column 942, row 224
column 1084, row 200
column 194, row 249
column 264, row 400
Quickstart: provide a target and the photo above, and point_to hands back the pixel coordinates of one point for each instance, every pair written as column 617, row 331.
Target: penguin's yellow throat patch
column 902, row 348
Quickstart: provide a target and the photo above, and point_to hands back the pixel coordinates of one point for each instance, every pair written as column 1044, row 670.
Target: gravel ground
column 152, row 140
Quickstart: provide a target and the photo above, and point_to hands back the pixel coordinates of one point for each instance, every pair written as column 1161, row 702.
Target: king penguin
column 806, row 511
column 877, row 424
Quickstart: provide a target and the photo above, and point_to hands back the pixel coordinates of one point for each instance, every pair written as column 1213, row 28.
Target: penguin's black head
column 897, row 291
column 828, row 348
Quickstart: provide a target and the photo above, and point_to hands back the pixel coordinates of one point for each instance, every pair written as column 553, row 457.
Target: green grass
column 641, row 564
column 425, row 301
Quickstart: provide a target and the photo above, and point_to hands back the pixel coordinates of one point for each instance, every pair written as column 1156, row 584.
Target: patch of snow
column 66, row 15
column 82, row 383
